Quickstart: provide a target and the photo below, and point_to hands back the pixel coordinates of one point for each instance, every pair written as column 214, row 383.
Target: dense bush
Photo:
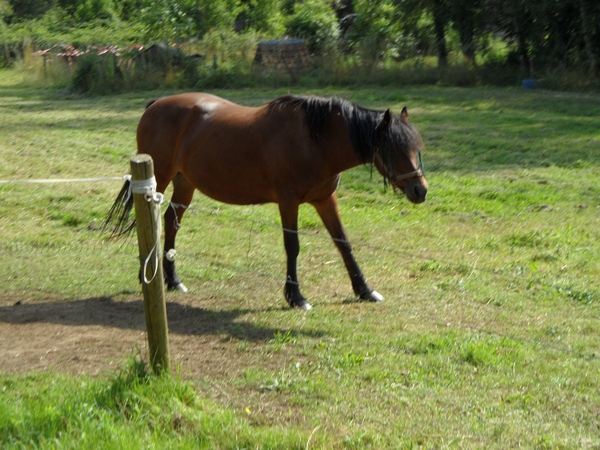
column 98, row 74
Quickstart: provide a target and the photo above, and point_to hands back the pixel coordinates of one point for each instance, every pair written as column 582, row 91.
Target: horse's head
column 398, row 156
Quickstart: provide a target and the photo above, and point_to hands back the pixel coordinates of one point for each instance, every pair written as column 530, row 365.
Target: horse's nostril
column 420, row 191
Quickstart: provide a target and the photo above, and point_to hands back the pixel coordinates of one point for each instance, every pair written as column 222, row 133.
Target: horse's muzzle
column 416, row 190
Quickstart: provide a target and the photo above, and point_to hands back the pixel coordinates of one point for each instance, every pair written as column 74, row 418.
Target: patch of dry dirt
column 96, row 335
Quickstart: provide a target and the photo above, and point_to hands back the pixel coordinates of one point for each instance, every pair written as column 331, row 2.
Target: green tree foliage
column 90, row 10
column 29, row 9
column 167, row 20
column 539, row 35
column 417, row 22
column 315, row 21
column 560, row 33
column 263, row 16
column 5, row 9
column 376, row 31
column 129, row 10
column 176, row 20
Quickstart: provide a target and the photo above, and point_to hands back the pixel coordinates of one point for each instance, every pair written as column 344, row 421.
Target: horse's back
column 217, row 144
column 191, row 99
column 173, row 122
column 233, row 153
column 171, row 114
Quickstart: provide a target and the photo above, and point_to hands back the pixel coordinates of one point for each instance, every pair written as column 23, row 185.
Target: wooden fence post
column 148, row 224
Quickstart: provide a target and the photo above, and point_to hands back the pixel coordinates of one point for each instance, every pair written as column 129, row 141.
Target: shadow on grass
column 183, row 319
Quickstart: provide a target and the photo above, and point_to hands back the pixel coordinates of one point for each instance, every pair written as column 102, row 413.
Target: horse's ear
column 404, row 114
column 385, row 122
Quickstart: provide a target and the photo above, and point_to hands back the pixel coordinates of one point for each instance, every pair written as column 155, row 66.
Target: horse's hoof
column 373, row 296
column 181, row 288
column 304, row 306
column 300, row 303
column 295, row 299
column 177, row 287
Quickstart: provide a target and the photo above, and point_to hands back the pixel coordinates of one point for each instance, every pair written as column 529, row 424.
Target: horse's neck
column 341, row 154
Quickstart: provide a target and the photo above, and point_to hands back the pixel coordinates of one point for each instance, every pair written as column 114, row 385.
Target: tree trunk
column 439, row 25
column 585, row 30
column 468, row 49
column 521, row 45
column 464, row 14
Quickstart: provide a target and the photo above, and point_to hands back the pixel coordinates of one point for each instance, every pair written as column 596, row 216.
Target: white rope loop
column 148, row 189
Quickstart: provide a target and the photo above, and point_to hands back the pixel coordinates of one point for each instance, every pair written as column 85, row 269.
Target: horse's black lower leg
column 172, row 221
column 328, row 212
column 171, row 279
column 289, row 220
column 359, row 283
column 183, row 192
column 292, row 288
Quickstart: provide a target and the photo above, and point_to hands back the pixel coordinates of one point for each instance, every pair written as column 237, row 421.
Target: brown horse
column 289, row 151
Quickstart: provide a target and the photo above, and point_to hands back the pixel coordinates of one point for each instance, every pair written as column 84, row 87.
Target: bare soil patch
column 93, row 336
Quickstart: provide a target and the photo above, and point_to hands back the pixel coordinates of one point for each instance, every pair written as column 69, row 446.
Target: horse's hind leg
column 183, row 191
column 328, row 211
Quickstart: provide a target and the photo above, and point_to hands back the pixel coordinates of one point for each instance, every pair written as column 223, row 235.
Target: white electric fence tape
column 59, row 180
column 146, row 187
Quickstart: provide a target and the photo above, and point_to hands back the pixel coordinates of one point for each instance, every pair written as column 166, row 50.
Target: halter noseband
column 413, row 174
column 420, row 172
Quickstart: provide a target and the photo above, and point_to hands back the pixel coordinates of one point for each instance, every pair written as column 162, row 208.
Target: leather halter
column 420, row 172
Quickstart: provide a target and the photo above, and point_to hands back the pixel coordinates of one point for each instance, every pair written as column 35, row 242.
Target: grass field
column 489, row 336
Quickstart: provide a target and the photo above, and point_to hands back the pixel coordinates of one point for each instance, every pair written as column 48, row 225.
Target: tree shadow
column 183, row 319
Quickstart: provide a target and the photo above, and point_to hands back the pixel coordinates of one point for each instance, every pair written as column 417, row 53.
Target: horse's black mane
column 361, row 123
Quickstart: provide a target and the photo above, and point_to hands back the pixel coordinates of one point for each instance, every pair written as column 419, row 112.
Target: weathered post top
column 142, row 167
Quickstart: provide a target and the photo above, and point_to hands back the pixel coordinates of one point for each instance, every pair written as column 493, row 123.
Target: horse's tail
column 119, row 217
column 119, row 220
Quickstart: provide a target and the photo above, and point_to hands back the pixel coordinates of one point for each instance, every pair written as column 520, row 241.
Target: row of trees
column 535, row 34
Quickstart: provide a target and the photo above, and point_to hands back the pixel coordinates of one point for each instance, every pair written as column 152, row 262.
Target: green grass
column 131, row 410
column 488, row 337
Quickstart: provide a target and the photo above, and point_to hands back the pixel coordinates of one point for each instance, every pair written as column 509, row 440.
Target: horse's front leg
column 328, row 211
column 289, row 222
